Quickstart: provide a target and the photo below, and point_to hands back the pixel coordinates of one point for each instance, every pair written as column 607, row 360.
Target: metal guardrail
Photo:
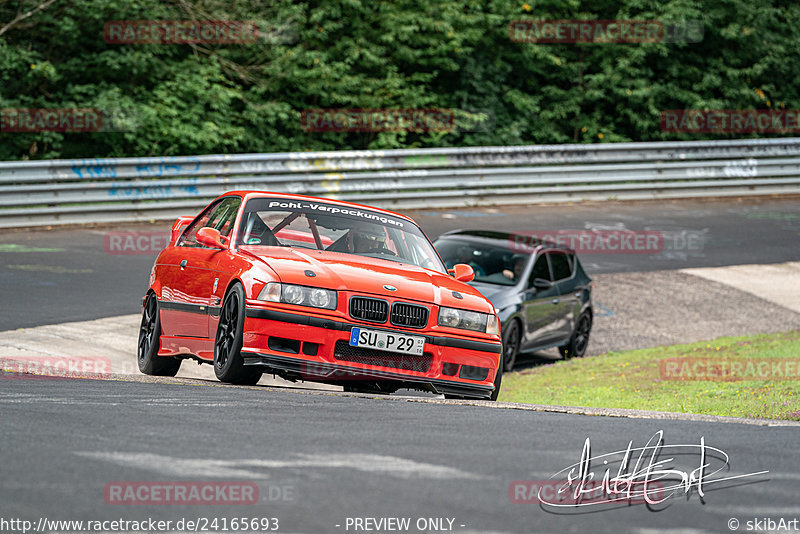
column 35, row 193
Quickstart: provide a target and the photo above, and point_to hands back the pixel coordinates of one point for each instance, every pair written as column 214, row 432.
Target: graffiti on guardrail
column 743, row 168
column 257, row 167
column 167, row 169
column 484, row 175
column 96, row 170
column 126, row 190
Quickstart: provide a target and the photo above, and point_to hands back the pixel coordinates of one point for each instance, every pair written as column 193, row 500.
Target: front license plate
column 388, row 341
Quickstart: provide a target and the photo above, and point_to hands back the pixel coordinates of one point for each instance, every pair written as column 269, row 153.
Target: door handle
column 555, row 301
column 183, row 264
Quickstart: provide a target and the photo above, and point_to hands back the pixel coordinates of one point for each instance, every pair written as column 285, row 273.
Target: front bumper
column 316, row 348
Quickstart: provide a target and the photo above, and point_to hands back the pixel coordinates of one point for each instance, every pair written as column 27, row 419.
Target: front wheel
column 511, row 339
column 228, row 362
column 580, row 338
column 150, row 363
column 498, row 379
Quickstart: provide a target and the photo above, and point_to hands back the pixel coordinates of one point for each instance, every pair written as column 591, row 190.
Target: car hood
column 349, row 272
column 493, row 292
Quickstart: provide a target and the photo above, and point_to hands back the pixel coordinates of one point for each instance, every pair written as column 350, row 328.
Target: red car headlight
column 467, row 320
column 315, row 297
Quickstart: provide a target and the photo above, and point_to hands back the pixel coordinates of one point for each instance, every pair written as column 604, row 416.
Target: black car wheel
column 150, row 363
column 498, row 379
column 511, row 339
column 228, row 362
column 580, row 338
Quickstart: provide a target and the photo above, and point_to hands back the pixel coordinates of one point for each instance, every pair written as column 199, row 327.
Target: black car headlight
column 468, row 320
column 315, row 297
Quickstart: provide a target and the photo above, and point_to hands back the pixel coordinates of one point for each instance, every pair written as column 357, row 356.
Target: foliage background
column 197, row 99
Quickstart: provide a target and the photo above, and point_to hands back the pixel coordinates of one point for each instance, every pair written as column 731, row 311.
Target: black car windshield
column 336, row 228
column 493, row 264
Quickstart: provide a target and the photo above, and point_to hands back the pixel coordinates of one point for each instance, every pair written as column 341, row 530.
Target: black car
column 542, row 294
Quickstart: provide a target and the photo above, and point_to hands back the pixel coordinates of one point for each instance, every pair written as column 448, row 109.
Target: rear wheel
column 228, row 362
column 580, row 338
column 150, row 363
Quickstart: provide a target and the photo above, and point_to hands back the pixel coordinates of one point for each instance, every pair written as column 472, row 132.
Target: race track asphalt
column 320, row 458
column 50, row 276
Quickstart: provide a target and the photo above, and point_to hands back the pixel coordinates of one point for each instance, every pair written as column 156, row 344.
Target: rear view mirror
column 210, row 237
column 541, row 283
column 462, row 272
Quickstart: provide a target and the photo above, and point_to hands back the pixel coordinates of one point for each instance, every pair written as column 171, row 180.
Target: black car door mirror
column 541, row 283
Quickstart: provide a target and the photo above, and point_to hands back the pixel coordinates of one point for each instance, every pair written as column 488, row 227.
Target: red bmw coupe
column 319, row 290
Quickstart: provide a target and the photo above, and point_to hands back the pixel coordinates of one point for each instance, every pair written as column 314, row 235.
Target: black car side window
column 561, row 266
column 220, row 216
column 540, row 270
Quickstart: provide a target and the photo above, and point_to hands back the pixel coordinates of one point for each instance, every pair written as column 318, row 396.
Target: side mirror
column 541, row 283
column 210, row 237
column 179, row 226
column 462, row 272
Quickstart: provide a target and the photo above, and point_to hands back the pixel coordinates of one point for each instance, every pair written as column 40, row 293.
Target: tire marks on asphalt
column 257, row 468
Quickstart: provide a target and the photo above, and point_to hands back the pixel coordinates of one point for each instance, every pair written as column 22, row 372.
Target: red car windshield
column 345, row 229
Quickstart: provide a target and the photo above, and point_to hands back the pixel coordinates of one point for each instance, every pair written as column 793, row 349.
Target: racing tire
column 150, row 363
column 511, row 339
column 579, row 340
column 498, row 380
column 228, row 362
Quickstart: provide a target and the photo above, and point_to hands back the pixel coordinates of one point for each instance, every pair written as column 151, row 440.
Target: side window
column 223, row 218
column 540, row 270
column 220, row 215
column 560, row 263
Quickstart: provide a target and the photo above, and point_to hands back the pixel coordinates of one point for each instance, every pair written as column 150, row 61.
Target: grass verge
column 753, row 376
